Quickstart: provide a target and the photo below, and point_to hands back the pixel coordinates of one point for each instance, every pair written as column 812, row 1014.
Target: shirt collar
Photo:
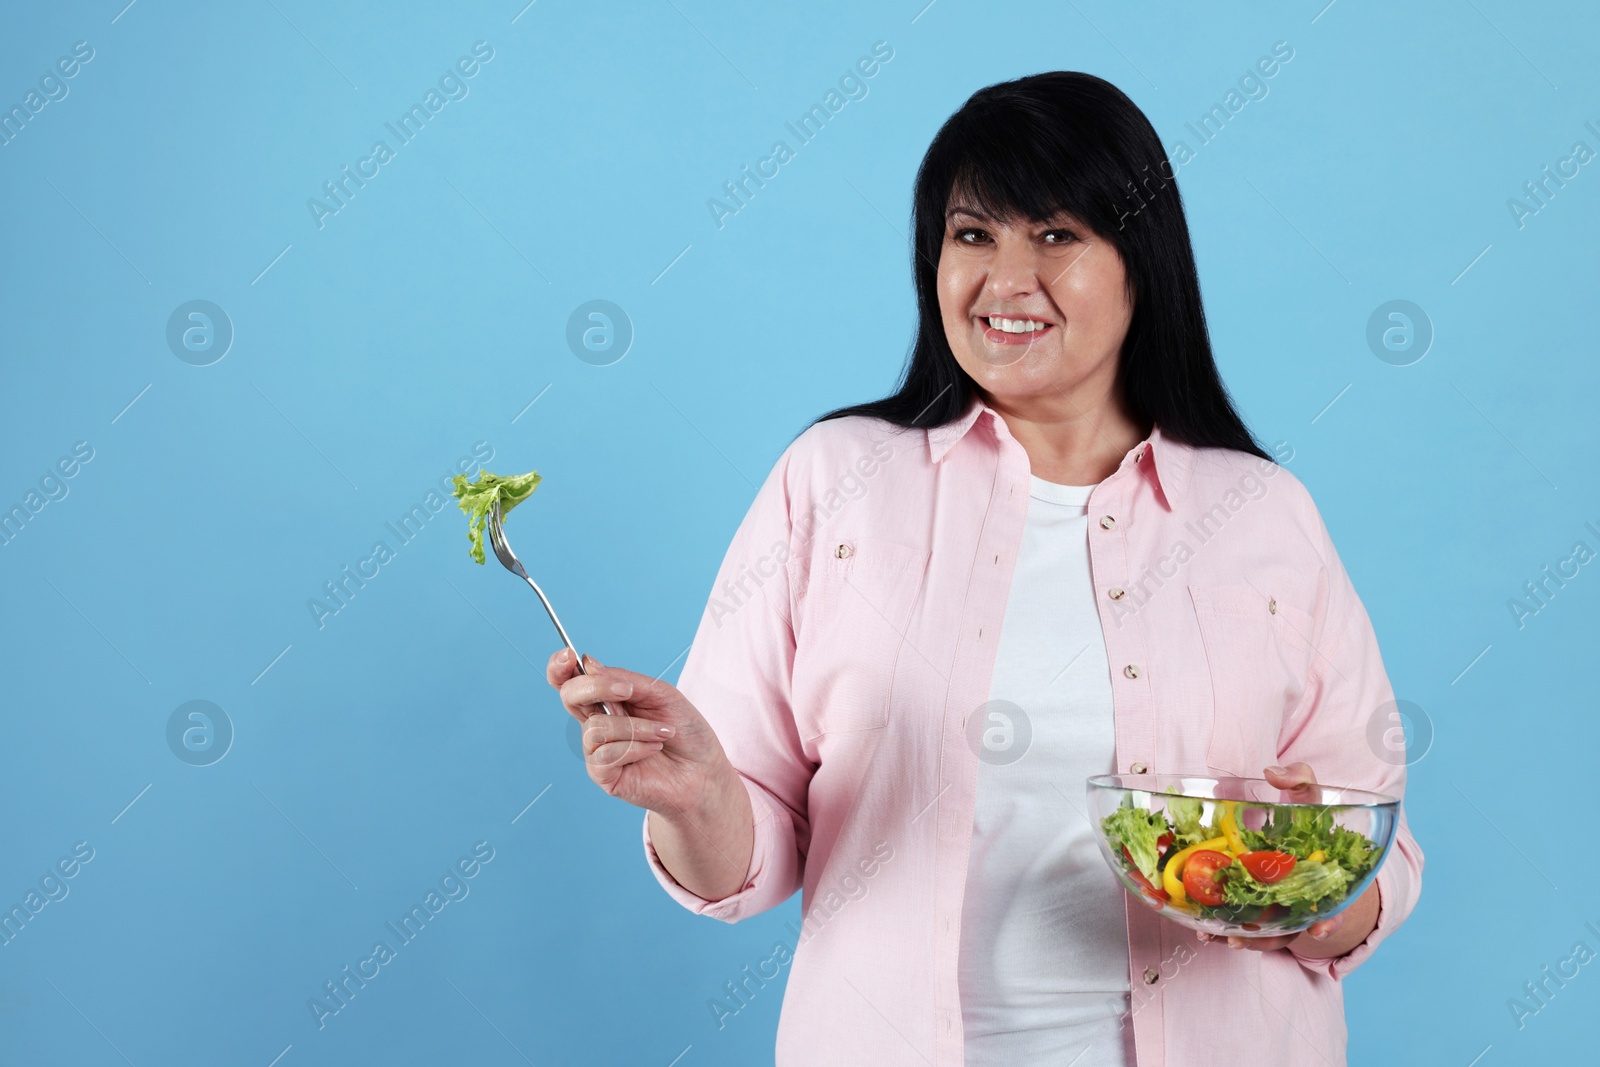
column 1167, row 462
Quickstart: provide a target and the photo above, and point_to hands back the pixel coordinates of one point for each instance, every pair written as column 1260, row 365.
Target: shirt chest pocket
column 852, row 611
column 1258, row 657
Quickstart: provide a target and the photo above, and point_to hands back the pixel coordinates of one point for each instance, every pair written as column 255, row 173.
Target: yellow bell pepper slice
column 1229, row 825
column 1317, row 857
column 1172, row 874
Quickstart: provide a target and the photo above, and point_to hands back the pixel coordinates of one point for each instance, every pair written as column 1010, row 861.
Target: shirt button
column 1116, row 592
column 1150, row 976
column 1272, row 605
column 1131, row 670
column 1138, row 768
column 1107, row 521
column 843, row 551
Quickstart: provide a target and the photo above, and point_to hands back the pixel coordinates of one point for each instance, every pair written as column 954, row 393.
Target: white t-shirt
column 1044, row 945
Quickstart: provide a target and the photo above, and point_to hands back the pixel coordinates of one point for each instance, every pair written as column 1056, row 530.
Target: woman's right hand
column 659, row 753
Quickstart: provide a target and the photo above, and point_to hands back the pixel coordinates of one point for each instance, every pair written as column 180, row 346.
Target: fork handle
column 577, row 657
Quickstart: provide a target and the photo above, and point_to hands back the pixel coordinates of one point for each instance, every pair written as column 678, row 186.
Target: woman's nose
column 1014, row 270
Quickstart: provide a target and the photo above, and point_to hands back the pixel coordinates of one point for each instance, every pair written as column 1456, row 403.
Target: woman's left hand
column 1300, row 782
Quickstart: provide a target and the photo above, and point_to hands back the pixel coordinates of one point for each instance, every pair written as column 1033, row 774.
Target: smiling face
column 1034, row 312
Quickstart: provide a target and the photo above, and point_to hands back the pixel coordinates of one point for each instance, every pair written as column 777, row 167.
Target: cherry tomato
column 1154, row 893
column 1200, row 880
column 1268, row 867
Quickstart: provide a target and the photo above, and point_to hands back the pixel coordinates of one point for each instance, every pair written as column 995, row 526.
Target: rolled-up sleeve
column 1332, row 729
column 738, row 674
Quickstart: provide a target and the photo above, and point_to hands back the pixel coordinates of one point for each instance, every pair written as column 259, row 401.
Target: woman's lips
column 1000, row 337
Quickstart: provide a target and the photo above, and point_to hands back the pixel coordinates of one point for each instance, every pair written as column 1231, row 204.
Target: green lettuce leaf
column 1136, row 830
column 477, row 497
column 1309, row 883
column 1301, row 829
column 1185, row 815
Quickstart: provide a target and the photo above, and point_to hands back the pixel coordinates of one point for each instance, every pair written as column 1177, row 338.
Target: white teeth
column 1016, row 325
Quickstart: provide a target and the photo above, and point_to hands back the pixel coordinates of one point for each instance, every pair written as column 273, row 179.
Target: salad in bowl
column 1238, row 855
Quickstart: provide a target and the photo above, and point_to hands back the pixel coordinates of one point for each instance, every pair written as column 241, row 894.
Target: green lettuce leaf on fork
column 477, row 497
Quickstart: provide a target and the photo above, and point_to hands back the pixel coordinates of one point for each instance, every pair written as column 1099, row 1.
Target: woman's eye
column 1059, row 237
column 970, row 236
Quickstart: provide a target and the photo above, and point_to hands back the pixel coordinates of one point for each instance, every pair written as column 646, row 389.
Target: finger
column 647, row 692
column 1297, row 779
column 1258, row 944
column 1293, row 775
column 1327, row 927
column 594, row 682
column 614, row 754
column 602, row 729
column 583, row 694
column 560, row 667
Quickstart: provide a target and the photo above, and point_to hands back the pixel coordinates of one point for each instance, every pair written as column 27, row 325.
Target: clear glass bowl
column 1261, row 861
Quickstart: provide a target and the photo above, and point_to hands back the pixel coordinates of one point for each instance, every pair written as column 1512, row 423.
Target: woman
column 1054, row 551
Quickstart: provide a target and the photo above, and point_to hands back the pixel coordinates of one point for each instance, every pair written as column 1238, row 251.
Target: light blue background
column 430, row 311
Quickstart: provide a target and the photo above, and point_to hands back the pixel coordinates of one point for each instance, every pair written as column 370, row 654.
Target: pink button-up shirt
column 852, row 632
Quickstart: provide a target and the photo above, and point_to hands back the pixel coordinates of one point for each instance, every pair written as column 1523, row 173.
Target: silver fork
column 502, row 552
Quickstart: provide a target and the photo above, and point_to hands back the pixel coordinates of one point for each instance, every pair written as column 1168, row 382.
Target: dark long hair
column 1066, row 141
